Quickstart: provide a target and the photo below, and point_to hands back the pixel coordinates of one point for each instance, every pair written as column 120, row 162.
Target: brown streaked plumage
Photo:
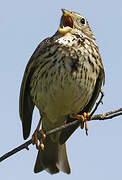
column 62, row 78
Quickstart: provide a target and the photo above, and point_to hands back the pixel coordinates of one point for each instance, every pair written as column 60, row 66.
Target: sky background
column 23, row 25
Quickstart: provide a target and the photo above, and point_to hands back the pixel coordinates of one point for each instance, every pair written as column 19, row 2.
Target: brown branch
column 98, row 103
column 105, row 116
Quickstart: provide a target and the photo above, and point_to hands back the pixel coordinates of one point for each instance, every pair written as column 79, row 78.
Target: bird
column 63, row 79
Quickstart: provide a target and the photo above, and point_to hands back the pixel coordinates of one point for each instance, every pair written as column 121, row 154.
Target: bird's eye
column 82, row 21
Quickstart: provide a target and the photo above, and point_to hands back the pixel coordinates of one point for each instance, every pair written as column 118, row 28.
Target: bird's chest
column 65, row 89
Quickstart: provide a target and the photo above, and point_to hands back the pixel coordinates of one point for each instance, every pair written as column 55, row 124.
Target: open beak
column 67, row 22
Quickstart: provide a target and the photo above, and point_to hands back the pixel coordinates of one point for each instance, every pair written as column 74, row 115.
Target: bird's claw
column 35, row 139
column 83, row 119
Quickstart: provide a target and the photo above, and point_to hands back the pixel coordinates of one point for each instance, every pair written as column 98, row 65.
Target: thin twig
column 113, row 112
column 105, row 116
column 98, row 103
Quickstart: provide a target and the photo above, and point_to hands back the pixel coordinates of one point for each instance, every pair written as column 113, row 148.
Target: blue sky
column 23, row 25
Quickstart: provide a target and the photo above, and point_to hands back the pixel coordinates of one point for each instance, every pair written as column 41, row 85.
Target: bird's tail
column 53, row 158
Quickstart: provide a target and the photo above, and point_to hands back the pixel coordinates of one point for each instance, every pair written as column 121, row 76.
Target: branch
column 105, row 116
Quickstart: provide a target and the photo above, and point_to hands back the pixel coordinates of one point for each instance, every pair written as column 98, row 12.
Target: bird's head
column 74, row 23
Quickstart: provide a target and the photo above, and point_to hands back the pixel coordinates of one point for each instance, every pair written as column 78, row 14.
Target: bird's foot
column 35, row 140
column 83, row 119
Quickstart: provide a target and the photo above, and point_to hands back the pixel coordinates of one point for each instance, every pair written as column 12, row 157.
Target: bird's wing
column 26, row 104
column 66, row 133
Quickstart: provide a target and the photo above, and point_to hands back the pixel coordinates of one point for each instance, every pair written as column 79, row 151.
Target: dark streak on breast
column 75, row 64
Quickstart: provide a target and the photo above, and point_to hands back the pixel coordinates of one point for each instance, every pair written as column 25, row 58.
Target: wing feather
column 26, row 105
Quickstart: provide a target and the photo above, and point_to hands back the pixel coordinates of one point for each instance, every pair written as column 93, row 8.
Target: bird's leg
column 35, row 136
column 83, row 119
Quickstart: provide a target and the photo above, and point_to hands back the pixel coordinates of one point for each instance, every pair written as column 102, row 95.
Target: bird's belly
column 62, row 97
